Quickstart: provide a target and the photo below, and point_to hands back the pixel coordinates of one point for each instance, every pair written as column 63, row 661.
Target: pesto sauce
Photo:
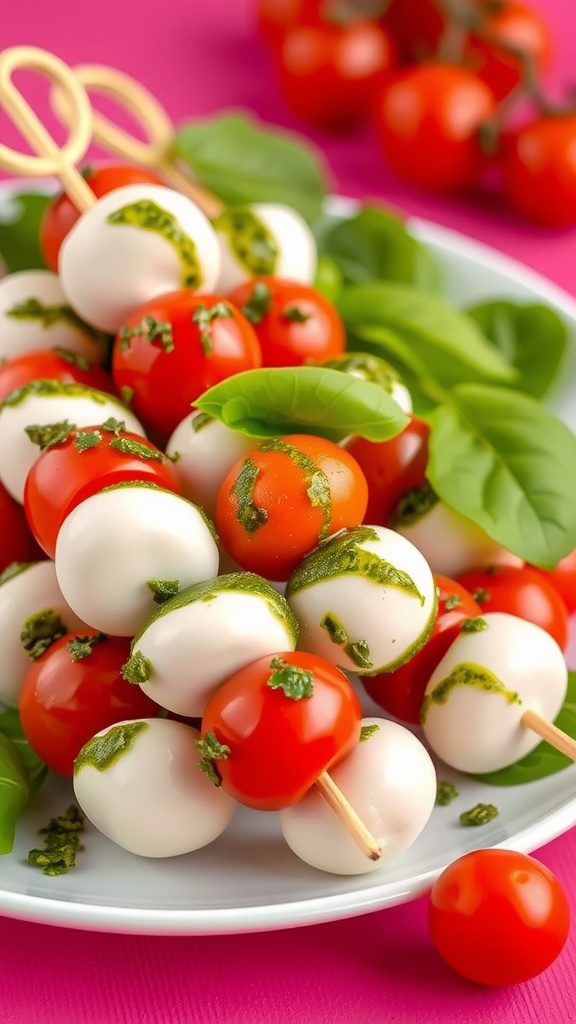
column 56, row 389
column 14, row 569
column 414, row 504
column 155, row 487
column 318, row 485
column 357, row 650
column 467, row 673
column 149, row 216
column 250, row 517
column 249, row 239
column 366, row 367
column 200, row 420
column 101, row 752
column 368, row 731
column 47, row 316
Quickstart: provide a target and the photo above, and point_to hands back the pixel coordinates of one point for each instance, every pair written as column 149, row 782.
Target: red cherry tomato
column 294, row 323
column 520, row 591
column 498, row 917
column 61, row 215
column 416, row 27
column 563, row 579
column 279, row 740
column 329, row 72
column 538, row 166
column 505, row 27
column 52, row 364
column 427, row 121
column 285, row 496
column 391, row 468
column 67, row 473
column 173, row 348
column 401, row 692
column 275, row 17
column 75, row 689
column 16, row 541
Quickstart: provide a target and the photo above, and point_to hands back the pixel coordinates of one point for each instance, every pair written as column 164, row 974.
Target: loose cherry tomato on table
column 173, row 348
column 563, row 579
column 282, row 721
column 391, row 468
column 401, row 692
column 508, row 27
column 538, row 164
column 285, row 496
column 520, row 591
column 427, row 121
column 498, row 917
column 52, row 364
column 16, row 541
column 294, row 323
column 61, row 215
column 84, row 462
column 75, row 689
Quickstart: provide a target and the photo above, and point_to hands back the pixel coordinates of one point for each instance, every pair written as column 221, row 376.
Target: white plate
column 248, row 880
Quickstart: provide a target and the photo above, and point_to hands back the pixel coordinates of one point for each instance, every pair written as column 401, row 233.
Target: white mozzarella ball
column 199, row 638
column 205, row 450
column 116, row 542
column 475, row 699
column 451, row 544
column 35, row 315
column 39, row 404
column 389, row 780
column 134, row 244
column 139, row 783
column 364, row 600
column 31, row 602
column 278, row 230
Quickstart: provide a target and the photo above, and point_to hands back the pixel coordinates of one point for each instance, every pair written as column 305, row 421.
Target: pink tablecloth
column 200, row 56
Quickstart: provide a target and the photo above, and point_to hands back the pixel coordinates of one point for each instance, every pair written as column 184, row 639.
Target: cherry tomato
column 173, row 348
column 52, row 364
column 285, row 719
column 275, row 17
column 75, row 689
column 285, row 496
column 416, row 27
column 538, row 165
column 563, row 579
column 520, row 591
column 391, row 468
column 61, row 215
column 85, row 462
column 16, row 541
column 498, row 917
column 401, row 692
column 329, row 72
column 514, row 26
column 294, row 323
column 427, row 121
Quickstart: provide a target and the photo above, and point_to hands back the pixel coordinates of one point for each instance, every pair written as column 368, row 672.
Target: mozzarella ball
column 31, row 603
column 389, row 780
column 450, row 544
column 265, row 238
column 34, row 315
column 39, row 404
column 475, row 699
column 205, row 450
column 199, row 638
column 365, row 366
column 118, row 548
column 364, row 600
column 134, row 244
column 139, row 783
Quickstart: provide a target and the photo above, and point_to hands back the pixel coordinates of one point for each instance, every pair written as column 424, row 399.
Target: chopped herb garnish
column 86, row 439
column 367, row 731
column 102, row 751
column 173, row 456
column 47, row 316
column 128, row 446
column 200, row 420
column 49, row 434
column 150, row 329
column 137, row 669
column 73, row 358
column 211, row 750
column 163, row 590
column 481, row 814
column 203, row 318
column 445, row 793
column 40, row 631
column 414, row 504
column 475, row 625
column 81, row 646
column 61, row 844
column 248, row 514
column 295, row 682
column 258, row 304
column 480, row 595
column 452, row 601
column 357, row 650
column 113, row 426
column 295, row 315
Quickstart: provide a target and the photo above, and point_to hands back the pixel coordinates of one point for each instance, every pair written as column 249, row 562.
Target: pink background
column 200, row 56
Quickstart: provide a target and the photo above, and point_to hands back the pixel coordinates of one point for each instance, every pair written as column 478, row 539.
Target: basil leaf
column 10, row 726
column 532, row 337
column 305, row 400
column 501, row 459
column 429, row 335
column 375, row 245
column 243, row 162
column 544, row 760
column 19, row 231
column 14, row 792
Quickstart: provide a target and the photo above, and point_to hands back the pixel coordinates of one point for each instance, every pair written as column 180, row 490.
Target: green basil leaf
column 244, row 162
column 436, row 340
column 543, row 760
column 19, row 231
column 306, row 400
column 11, row 727
column 532, row 337
column 375, row 245
column 501, row 459
column 328, row 278
column 14, row 792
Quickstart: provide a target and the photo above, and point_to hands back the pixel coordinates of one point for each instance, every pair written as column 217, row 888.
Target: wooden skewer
column 356, row 828
column 157, row 152
column 549, row 732
column 49, row 158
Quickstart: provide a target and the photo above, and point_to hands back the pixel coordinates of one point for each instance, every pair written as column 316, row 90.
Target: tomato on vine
column 538, row 164
column 507, row 30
